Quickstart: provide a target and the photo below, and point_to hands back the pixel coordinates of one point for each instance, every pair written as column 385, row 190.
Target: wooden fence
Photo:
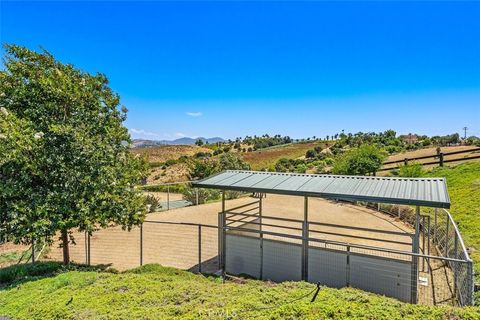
column 439, row 159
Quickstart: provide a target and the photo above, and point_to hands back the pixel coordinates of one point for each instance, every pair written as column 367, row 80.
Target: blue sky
column 295, row 68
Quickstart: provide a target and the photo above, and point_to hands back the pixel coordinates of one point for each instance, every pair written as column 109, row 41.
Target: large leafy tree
column 64, row 152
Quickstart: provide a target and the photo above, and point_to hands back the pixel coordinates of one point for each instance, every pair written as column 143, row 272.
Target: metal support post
column 260, row 212
column 348, row 266
column 141, row 244
column 200, row 248
column 447, row 239
column 423, row 243
column 305, row 235
column 416, row 242
column 33, row 250
column 168, row 197
column 435, row 235
column 428, row 243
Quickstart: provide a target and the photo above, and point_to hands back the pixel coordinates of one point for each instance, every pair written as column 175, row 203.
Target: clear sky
column 295, row 68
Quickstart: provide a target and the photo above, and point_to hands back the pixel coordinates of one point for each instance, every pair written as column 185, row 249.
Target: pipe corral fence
column 428, row 264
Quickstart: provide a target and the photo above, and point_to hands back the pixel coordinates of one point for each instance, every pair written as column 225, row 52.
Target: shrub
column 204, row 195
column 411, row 170
column 152, row 203
column 311, row 154
column 360, row 161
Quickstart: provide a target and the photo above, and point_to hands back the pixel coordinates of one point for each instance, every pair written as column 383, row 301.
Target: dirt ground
column 177, row 245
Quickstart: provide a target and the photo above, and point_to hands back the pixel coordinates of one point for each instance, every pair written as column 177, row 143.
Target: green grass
column 10, row 257
column 463, row 183
column 155, row 292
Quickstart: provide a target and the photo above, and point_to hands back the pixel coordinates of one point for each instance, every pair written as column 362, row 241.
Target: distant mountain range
column 139, row 143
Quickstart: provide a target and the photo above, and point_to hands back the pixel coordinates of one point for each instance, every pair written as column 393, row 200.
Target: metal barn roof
column 430, row 192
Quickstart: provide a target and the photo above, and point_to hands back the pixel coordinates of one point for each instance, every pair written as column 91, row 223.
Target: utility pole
column 465, row 136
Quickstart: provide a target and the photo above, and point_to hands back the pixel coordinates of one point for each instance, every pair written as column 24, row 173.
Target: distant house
column 409, row 138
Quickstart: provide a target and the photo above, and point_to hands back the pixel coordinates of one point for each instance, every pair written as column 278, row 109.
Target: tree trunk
column 66, row 251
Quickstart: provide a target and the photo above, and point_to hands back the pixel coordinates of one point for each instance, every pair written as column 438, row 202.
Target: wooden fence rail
column 441, row 159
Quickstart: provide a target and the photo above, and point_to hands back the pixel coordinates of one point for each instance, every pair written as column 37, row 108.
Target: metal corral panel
column 282, row 261
column 242, row 255
column 389, row 277
column 430, row 192
column 327, row 267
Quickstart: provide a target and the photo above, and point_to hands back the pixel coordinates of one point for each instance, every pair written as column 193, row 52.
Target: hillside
column 464, row 188
column 160, row 154
column 153, row 292
column 266, row 158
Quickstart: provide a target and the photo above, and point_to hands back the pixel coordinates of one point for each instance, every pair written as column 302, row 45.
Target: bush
column 152, row 203
column 217, row 152
column 413, row 170
column 204, row 195
column 360, row 161
column 311, row 154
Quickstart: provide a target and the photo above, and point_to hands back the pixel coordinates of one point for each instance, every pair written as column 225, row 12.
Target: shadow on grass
column 15, row 275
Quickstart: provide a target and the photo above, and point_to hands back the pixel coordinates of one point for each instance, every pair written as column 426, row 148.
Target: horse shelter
column 427, row 264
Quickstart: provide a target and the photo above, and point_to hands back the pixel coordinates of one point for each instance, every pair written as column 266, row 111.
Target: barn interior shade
column 429, row 192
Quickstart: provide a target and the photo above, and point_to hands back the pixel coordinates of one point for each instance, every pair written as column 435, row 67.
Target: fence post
column 435, row 239
column 33, row 250
column 86, row 248
column 423, row 242
column 405, row 161
column 141, row 244
column 441, row 159
column 348, row 266
column 428, row 244
column 168, row 197
column 470, row 287
column 260, row 212
column 199, row 248
column 89, row 250
column 416, row 244
column 446, row 238
column 305, row 235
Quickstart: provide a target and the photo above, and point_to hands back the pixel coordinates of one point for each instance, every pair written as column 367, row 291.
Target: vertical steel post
column 423, row 242
column 305, row 235
column 260, row 212
column 455, row 264
column 435, row 235
column 447, row 238
column 33, row 250
column 470, row 287
column 348, row 266
column 224, row 231
column 220, row 239
column 141, row 244
column 428, row 244
column 168, row 197
column 89, row 249
column 416, row 243
column 200, row 248
column 86, row 247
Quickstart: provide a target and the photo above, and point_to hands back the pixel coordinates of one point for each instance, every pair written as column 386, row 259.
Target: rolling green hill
column 463, row 183
column 154, row 292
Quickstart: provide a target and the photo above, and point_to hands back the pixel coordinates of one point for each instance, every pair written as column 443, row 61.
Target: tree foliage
column 64, row 157
column 359, row 161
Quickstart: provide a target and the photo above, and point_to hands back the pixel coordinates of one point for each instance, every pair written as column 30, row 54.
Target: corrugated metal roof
column 430, row 192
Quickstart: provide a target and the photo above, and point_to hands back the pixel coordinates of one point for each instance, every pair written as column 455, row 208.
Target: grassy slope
column 266, row 158
column 154, row 292
column 464, row 188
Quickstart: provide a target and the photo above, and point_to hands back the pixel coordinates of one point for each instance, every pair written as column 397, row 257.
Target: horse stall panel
column 242, row 255
column 282, row 261
column 328, row 267
column 392, row 278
